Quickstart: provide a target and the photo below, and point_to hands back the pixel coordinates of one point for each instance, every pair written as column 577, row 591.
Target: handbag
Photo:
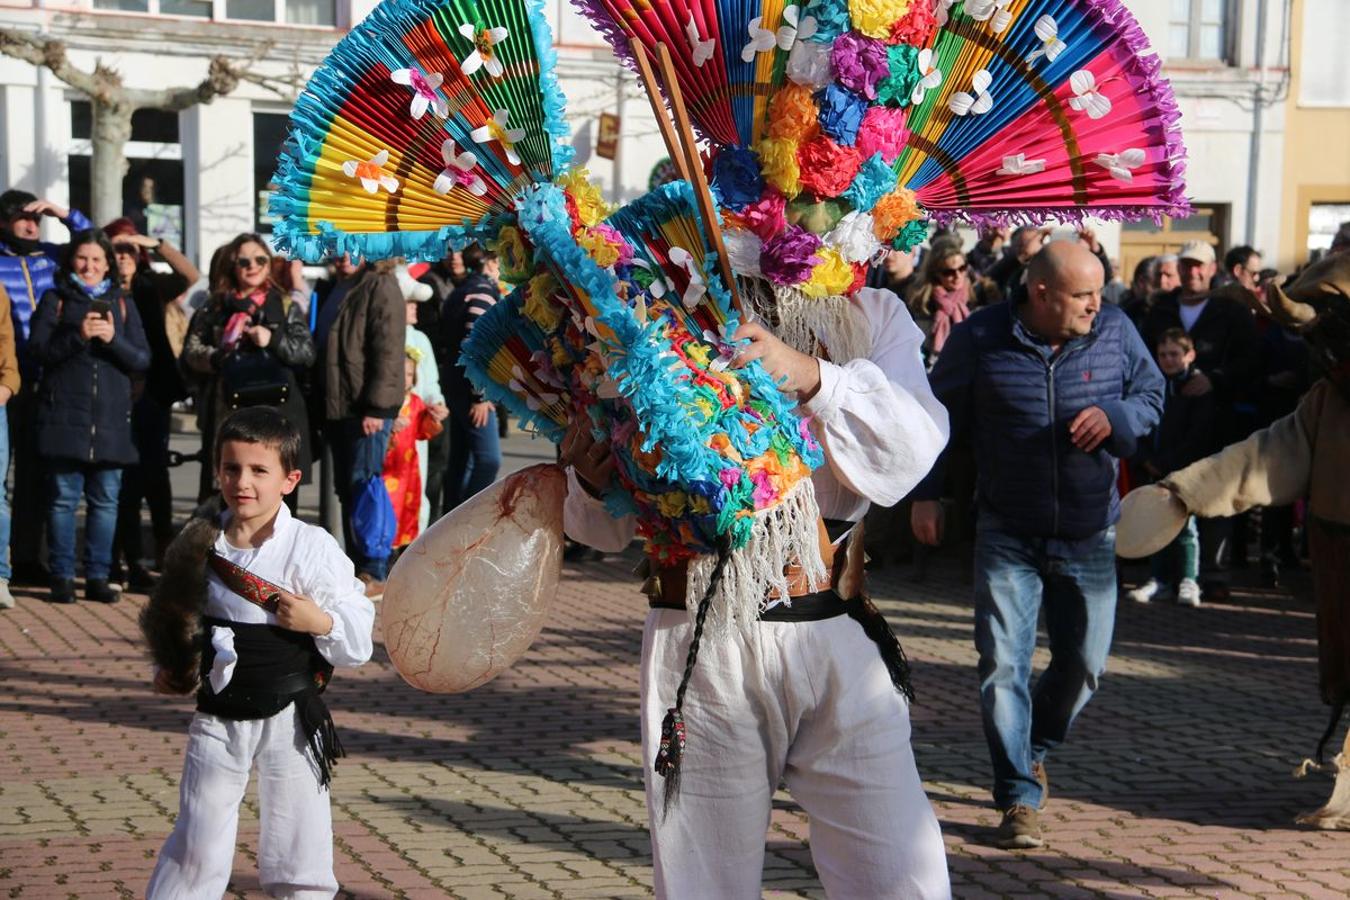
column 253, row 377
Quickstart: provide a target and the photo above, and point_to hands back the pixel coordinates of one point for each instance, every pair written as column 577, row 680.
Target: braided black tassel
column 320, row 734
column 875, row 626
column 673, row 736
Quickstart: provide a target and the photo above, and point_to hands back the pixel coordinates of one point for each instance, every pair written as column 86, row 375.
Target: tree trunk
column 112, row 130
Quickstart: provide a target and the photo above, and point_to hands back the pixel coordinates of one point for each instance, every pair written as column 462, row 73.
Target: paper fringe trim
column 803, row 322
column 786, row 535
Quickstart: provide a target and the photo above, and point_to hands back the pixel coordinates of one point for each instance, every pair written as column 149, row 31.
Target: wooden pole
column 684, row 131
column 652, row 87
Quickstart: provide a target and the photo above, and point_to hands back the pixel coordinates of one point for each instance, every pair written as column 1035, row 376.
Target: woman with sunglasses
column 89, row 341
column 156, row 295
column 946, row 294
column 248, row 344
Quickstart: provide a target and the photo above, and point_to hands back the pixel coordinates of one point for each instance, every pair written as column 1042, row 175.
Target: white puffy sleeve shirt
column 877, row 419
column 307, row 561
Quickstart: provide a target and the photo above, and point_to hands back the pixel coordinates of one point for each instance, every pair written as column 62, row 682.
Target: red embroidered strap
column 255, row 590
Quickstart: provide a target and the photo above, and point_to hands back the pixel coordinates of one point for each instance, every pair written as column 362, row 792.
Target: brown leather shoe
column 1038, row 770
column 1020, row 829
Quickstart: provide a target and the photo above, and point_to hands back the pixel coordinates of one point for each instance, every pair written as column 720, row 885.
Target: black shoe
column 98, row 590
column 139, row 579
column 62, row 591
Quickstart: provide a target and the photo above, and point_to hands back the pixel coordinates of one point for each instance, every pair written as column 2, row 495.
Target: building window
column 269, row 133
column 152, row 191
column 197, row 9
column 1198, row 30
column 290, row 12
column 1207, row 222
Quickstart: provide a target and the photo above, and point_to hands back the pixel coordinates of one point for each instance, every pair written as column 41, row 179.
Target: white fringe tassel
column 785, row 535
column 805, row 323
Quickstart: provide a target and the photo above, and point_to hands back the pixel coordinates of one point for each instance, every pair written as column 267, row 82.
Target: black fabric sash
column 276, row 667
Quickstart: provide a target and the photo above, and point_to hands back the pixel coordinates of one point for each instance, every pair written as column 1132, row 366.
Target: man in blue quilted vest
column 27, row 271
column 1053, row 388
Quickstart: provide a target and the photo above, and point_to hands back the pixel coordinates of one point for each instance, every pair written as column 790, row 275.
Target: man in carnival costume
column 802, row 696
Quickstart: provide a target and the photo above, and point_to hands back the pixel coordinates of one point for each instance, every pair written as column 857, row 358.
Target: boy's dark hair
column 1176, row 336
column 264, row 425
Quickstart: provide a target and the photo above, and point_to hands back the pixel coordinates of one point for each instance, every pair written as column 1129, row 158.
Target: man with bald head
column 1052, row 389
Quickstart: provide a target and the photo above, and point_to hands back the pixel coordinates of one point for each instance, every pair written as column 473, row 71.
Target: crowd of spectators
column 104, row 336
column 107, row 334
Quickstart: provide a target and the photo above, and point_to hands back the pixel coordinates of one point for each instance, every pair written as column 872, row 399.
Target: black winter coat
column 1183, row 436
column 84, row 395
column 291, row 344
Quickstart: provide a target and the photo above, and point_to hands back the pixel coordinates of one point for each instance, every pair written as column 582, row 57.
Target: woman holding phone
column 248, row 344
column 89, row 341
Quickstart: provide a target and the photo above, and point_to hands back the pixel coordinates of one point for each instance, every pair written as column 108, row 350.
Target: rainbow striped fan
column 626, row 320
column 420, row 129
column 840, row 126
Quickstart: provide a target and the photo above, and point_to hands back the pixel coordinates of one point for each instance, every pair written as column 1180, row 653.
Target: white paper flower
column 521, row 386
column 458, row 171
column 854, row 237
column 995, row 12
column 496, row 130
column 727, row 349
column 942, row 11
column 1086, row 96
column 1018, row 164
column 977, row 103
column 795, row 28
column 1047, row 29
column 930, row 76
column 702, row 50
column 371, row 173
column 743, row 249
column 762, row 40
column 696, row 289
column 424, row 88
column 1122, row 164
column 809, row 64
column 484, row 54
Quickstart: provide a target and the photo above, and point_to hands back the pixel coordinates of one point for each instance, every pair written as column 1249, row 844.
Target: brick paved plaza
column 1177, row 781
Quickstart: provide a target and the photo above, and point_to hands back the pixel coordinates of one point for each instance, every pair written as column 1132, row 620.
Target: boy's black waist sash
column 276, row 667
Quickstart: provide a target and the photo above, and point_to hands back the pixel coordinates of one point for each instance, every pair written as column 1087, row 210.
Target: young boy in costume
column 254, row 610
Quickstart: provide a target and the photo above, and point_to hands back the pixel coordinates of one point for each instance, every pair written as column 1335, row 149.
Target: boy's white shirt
column 305, row 560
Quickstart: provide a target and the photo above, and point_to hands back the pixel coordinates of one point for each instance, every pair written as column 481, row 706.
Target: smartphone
column 101, row 308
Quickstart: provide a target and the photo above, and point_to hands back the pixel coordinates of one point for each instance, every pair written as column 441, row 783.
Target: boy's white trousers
column 295, row 848
column 808, row 703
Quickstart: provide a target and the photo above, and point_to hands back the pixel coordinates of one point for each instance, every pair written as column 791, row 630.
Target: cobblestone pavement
column 1177, row 781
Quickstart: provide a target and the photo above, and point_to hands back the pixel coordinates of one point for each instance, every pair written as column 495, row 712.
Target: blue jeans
column 475, row 453
column 66, row 481
column 1014, row 577
column 357, row 457
column 5, row 514
column 1179, row 559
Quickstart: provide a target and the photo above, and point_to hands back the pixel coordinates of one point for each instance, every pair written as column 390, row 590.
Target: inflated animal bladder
column 470, row 595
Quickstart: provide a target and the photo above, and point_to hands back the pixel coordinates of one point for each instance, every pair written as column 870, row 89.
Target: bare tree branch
column 49, row 53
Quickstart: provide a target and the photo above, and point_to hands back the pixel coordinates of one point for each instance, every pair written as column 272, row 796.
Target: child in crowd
column 258, row 607
column 1182, row 437
column 402, row 470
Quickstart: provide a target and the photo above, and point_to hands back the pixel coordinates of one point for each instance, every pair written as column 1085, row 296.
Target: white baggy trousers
column 295, row 847
column 810, row 703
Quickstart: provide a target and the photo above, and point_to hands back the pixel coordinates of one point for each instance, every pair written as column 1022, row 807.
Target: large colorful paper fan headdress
column 839, row 127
